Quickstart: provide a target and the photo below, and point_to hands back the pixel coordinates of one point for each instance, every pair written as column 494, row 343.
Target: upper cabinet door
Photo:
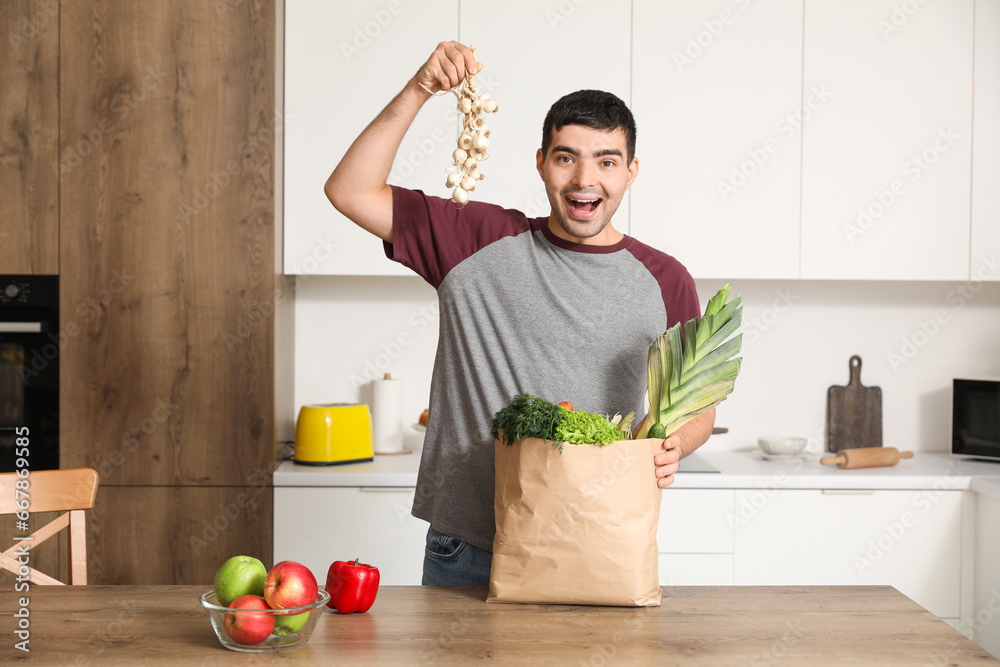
column 344, row 62
column 31, row 164
column 534, row 53
column 717, row 92
column 986, row 145
column 886, row 165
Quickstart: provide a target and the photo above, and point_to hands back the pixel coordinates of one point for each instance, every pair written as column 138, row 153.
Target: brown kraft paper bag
column 577, row 527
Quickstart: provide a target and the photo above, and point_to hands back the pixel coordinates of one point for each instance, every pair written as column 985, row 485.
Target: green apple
column 289, row 625
column 239, row 576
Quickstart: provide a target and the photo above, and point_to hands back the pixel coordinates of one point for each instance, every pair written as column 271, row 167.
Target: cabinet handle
column 20, row 327
column 387, row 489
column 849, row 492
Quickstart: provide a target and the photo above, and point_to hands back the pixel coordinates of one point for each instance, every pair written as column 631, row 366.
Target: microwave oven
column 975, row 418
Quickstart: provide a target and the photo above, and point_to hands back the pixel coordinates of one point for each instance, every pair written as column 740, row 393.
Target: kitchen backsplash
column 798, row 336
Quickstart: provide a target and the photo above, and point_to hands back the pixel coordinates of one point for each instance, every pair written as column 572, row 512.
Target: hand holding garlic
column 473, row 140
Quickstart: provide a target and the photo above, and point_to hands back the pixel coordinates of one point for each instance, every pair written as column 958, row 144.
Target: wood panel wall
column 29, row 137
column 167, row 127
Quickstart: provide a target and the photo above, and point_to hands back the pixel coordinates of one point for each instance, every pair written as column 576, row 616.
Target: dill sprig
column 527, row 417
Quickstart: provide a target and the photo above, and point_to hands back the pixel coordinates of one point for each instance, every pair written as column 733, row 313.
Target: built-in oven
column 30, row 345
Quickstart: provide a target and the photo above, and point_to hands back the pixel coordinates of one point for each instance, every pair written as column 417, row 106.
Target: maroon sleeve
column 432, row 235
column 680, row 297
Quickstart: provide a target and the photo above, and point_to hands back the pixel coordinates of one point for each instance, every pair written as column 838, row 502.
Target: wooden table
column 711, row 625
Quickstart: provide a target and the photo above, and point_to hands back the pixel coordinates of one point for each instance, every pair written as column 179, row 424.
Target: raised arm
column 357, row 187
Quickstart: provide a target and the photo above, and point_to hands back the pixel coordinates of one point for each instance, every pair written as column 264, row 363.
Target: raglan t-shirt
column 523, row 311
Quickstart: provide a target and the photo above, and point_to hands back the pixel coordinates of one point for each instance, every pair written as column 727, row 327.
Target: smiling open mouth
column 583, row 205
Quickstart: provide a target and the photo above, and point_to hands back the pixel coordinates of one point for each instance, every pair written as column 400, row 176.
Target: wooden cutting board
column 853, row 413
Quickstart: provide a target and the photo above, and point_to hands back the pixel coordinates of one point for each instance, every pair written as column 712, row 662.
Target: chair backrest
column 70, row 491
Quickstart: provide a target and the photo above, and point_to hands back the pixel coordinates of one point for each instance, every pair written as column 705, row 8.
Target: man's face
column 586, row 174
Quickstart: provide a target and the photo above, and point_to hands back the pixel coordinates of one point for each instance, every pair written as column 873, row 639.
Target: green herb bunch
column 531, row 417
column 527, row 417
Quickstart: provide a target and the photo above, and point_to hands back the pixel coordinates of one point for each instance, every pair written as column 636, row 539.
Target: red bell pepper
column 352, row 586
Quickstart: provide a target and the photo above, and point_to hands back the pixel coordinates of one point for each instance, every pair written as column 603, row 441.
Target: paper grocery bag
column 577, row 527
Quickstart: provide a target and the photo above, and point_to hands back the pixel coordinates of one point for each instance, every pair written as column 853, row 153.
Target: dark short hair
column 591, row 108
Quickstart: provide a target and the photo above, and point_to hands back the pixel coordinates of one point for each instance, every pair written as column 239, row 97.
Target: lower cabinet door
column 985, row 620
column 696, row 521
column 910, row 540
column 695, row 537
column 317, row 526
column 696, row 569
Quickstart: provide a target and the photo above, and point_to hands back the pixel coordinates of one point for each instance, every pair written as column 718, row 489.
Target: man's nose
column 585, row 174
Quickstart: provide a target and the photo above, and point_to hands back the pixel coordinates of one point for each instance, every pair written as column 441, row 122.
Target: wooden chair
column 68, row 491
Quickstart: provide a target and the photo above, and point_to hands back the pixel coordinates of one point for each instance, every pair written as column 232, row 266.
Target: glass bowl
column 295, row 633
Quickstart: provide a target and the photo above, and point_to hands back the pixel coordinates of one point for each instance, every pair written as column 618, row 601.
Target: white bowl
column 777, row 445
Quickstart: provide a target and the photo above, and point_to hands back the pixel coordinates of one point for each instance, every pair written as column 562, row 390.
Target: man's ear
column 539, row 161
column 633, row 171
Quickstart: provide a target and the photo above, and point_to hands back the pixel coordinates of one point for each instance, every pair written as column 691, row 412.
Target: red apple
column 247, row 627
column 290, row 584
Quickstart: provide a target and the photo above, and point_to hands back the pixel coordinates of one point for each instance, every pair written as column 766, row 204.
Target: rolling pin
column 866, row 457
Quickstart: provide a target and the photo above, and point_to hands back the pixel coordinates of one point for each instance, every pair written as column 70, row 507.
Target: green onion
column 690, row 374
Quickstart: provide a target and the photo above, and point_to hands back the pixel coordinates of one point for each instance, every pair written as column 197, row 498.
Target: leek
column 690, row 374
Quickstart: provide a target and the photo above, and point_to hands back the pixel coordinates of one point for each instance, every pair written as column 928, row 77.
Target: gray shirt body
column 523, row 311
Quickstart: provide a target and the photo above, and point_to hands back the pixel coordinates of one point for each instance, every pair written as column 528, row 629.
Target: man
column 563, row 307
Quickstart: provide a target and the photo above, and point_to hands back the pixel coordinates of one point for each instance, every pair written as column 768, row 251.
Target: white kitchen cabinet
column 343, row 63
column 886, row 162
column 695, row 537
column 985, row 244
column 907, row 539
column 985, row 620
column 719, row 104
column 694, row 521
column 534, row 53
column 319, row 525
column 696, row 569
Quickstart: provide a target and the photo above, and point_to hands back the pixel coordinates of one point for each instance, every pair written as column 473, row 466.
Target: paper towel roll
column 387, row 415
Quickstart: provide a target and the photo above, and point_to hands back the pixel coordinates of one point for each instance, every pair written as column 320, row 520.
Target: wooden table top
column 414, row 625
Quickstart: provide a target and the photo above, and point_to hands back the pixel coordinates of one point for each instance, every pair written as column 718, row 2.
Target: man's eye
column 609, row 163
column 564, row 158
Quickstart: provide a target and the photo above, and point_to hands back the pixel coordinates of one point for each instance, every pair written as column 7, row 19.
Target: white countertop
column 737, row 470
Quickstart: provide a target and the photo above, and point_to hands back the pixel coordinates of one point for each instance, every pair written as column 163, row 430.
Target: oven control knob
column 12, row 291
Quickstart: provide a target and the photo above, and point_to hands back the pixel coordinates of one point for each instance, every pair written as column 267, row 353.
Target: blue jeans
column 448, row 561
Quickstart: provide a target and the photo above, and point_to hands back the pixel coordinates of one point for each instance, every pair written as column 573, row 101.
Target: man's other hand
column 667, row 461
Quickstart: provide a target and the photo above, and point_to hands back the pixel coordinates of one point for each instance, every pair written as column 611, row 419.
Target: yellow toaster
column 333, row 433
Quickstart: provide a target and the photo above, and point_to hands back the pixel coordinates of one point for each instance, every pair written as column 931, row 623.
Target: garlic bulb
column 473, row 139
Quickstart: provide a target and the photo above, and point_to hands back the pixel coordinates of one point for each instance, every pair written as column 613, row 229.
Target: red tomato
column 567, row 405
